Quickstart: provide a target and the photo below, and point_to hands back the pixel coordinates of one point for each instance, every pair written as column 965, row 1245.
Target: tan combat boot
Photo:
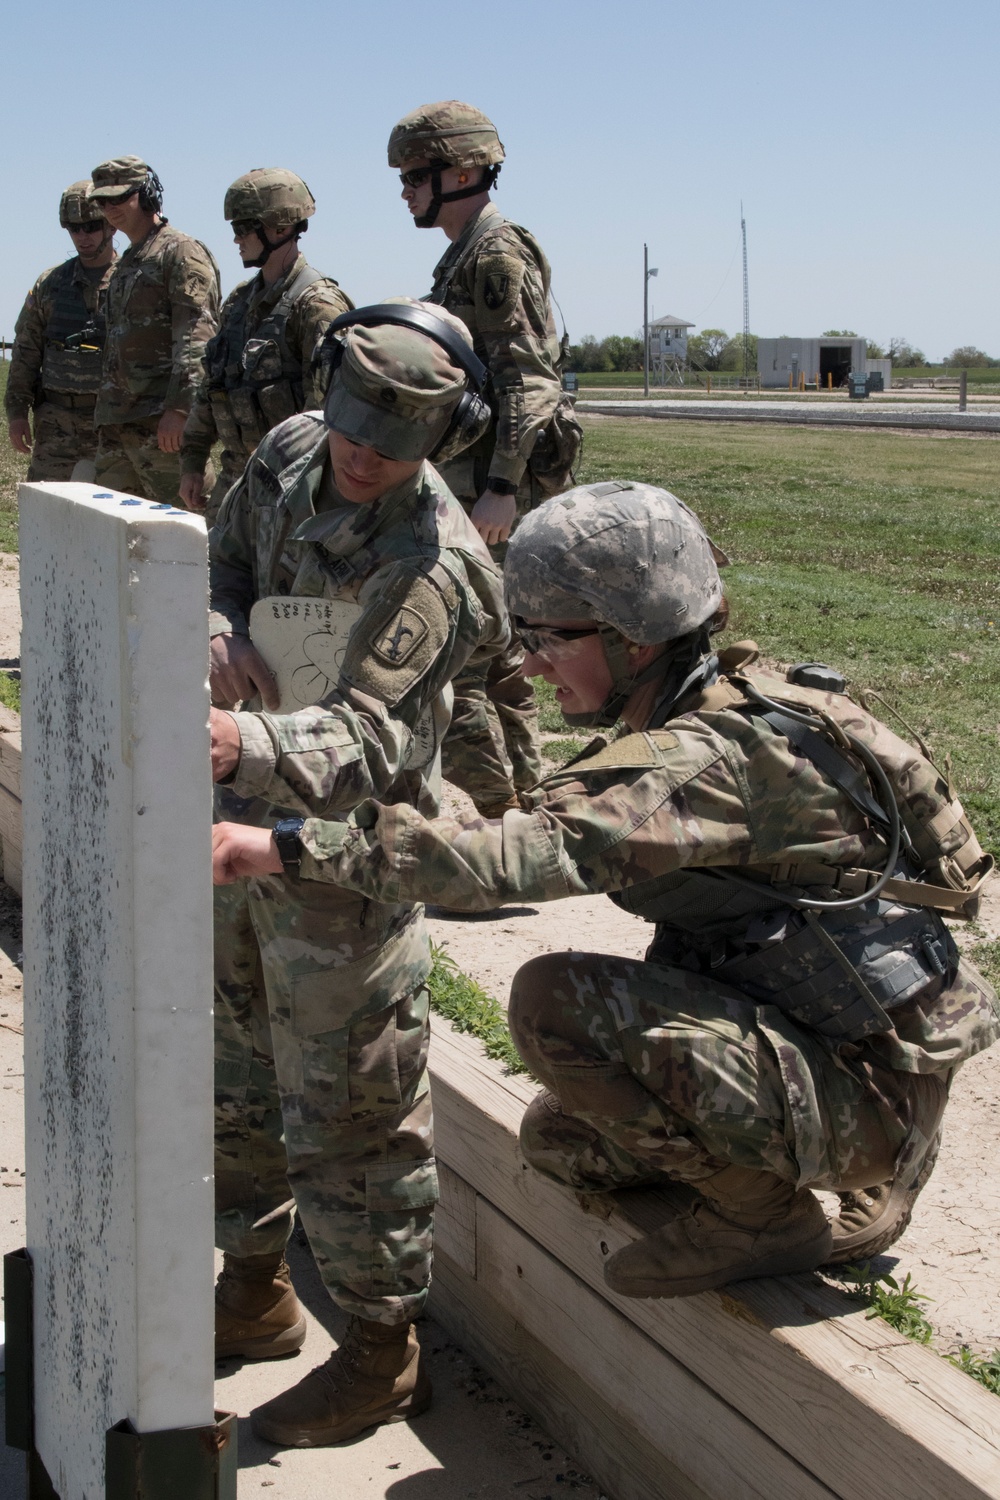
column 375, row 1376
column 873, row 1218
column 757, row 1225
column 257, row 1314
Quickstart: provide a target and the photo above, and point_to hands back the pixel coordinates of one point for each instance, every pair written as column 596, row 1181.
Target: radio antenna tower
column 746, row 305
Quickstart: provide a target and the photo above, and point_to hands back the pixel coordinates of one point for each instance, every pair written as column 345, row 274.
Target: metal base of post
column 198, row 1463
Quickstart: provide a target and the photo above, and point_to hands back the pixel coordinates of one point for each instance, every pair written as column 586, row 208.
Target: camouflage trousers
column 655, row 1073
column 230, row 470
column 129, row 459
column 322, row 1095
column 61, row 436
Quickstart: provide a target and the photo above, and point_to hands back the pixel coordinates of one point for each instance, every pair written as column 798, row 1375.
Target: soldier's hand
column 192, row 491
column 493, row 516
column 170, row 430
column 19, row 432
column 238, row 851
column 226, row 743
column 238, row 671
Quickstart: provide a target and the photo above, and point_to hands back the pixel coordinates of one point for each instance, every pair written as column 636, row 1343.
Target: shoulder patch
column 398, row 638
column 631, row 751
column 401, row 637
column 498, row 289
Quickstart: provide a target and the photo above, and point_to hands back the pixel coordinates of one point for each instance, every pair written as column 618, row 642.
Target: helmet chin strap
column 269, row 245
column 429, row 219
column 686, row 664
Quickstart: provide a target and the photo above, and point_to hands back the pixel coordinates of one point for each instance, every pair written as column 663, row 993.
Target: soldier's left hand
column 226, row 744
column 493, row 515
column 238, row 851
column 170, row 430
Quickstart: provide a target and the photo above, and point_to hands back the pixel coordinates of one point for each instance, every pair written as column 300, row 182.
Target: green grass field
column 877, row 552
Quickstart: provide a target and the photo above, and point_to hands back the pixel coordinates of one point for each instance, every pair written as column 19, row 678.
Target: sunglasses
column 91, row 227
column 243, row 228
column 118, row 199
column 543, row 640
column 416, row 177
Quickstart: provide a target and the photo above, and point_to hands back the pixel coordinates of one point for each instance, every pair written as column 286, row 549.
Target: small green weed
column 986, row 957
column 985, row 1370
column 563, row 750
column 470, row 1009
column 10, row 691
column 899, row 1306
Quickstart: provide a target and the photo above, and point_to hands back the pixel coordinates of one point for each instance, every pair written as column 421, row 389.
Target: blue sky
column 862, row 138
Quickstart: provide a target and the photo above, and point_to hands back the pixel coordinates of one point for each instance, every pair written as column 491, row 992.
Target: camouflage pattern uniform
column 59, row 385
column 162, row 307
column 735, row 1043
column 495, row 277
column 321, row 1002
column 259, row 366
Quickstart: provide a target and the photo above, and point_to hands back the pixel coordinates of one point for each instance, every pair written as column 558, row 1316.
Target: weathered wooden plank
column 11, row 854
column 455, row 1221
column 10, row 754
column 11, row 823
column 798, row 1359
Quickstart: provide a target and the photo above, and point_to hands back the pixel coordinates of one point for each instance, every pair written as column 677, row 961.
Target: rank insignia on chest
column 401, row 637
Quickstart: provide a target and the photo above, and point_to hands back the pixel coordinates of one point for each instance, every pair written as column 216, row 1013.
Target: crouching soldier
column 802, row 1008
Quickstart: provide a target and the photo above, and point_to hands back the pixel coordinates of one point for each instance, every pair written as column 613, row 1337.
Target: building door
column 836, row 361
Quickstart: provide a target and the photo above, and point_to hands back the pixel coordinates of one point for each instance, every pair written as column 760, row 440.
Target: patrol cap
column 75, row 206
column 271, row 196
column 112, row 178
column 628, row 555
column 396, row 389
column 449, row 131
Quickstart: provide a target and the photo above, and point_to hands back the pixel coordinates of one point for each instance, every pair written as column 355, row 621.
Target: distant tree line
column 714, row 349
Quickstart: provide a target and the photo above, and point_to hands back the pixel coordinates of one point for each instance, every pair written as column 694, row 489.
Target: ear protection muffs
column 472, row 416
column 151, row 194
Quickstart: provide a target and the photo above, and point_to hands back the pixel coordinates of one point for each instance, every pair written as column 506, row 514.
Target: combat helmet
column 632, row 558
column 270, row 198
column 448, row 134
column 75, row 205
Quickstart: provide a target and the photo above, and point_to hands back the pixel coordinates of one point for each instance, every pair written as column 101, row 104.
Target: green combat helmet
column 448, row 134
column 75, row 206
column 403, row 388
column 269, row 198
column 632, row 558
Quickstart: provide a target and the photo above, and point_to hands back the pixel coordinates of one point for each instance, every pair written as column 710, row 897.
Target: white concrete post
column 117, row 938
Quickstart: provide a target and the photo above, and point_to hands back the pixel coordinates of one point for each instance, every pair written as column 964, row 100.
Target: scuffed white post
column 117, row 938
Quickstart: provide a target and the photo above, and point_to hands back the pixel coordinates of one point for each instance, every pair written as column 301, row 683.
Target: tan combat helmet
column 630, row 557
column 75, row 205
column 269, row 198
column 448, row 134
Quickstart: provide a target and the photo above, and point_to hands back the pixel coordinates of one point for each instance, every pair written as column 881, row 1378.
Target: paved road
column 857, row 414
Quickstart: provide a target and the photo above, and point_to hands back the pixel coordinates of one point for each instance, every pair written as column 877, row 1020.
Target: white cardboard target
column 303, row 642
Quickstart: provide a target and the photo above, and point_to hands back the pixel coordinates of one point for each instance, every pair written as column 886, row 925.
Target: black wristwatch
column 502, row 486
column 286, row 835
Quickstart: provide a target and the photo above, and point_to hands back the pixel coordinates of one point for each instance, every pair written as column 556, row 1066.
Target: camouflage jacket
column 162, row 307
column 422, row 575
column 496, row 279
column 62, row 302
column 258, row 366
column 711, row 789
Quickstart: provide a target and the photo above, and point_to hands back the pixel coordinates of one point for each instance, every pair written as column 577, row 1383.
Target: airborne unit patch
column 401, row 637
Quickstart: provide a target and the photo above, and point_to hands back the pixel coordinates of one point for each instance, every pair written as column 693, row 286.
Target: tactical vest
column 255, row 383
column 74, row 336
column 559, row 442
column 841, row 972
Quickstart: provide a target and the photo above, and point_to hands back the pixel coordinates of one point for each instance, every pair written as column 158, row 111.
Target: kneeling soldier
column 802, row 1008
column 321, row 998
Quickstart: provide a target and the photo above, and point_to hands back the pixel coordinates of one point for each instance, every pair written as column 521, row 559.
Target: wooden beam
column 799, row 1360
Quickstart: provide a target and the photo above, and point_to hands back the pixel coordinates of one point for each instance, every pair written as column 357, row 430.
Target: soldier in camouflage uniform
column 55, row 365
column 496, row 278
column 321, row 1003
column 259, row 366
column 802, row 1008
column 162, row 307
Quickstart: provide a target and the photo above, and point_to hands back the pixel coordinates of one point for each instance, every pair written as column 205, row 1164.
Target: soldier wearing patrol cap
column 496, row 278
column 321, row 1000
column 259, row 366
column 802, row 1008
column 55, row 365
column 162, row 307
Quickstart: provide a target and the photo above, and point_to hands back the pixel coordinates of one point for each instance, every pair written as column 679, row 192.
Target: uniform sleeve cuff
column 254, row 776
column 321, row 841
column 193, row 463
column 510, row 466
column 219, row 623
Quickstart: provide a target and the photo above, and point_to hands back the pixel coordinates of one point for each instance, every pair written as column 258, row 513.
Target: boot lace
column 336, row 1371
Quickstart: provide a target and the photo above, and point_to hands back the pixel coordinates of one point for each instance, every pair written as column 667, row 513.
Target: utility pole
column 746, row 306
column 647, row 272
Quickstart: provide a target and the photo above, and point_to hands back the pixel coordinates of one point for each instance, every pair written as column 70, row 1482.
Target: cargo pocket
column 401, row 1187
